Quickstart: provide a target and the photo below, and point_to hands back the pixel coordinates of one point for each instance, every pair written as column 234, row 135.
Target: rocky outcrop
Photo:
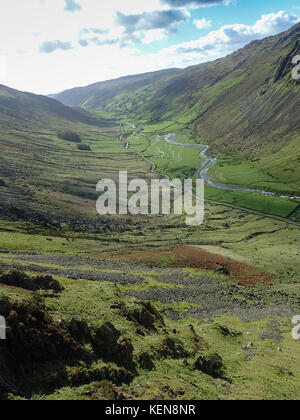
column 37, row 351
column 32, row 339
column 210, row 364
column 145, row 362
column 110, row 346
column 145, row 316
column 173, row 349
column 20, row 279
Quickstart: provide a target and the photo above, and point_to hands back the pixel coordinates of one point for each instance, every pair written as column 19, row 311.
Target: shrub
column 69, row 136
column 84, row 147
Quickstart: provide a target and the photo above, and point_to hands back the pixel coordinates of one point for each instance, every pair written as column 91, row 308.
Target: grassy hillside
column 245, row 106
column 41, row 172
column 136, row 316
column 99, row 95
column 22, row 109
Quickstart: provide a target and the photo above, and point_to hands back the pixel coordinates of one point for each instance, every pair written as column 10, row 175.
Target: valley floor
column 142, row 307
column 230, row 179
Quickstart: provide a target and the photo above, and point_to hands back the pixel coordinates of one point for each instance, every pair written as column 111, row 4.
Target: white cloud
column 152, row 36
column 230, row 38
column 51, row 46
column 196, row 3
column 274, row 23
column 72, row 6
column 105, row 49
column 202, row 23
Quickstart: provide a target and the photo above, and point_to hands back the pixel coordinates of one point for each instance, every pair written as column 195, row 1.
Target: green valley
column 130, row 307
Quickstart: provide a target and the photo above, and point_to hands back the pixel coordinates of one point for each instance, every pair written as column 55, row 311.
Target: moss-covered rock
column 145, row 362
column 173, row 349
column 19, row 279
column 211, row 364
column 110, row 346
column 145, row 316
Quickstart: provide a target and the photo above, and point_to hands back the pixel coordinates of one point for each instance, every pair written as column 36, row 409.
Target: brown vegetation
column 192, row 257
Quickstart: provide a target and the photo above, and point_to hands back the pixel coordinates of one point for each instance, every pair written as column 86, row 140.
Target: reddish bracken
column 189, row 256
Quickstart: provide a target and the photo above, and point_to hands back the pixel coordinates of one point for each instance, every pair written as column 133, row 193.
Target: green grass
column 250, row 238
column 182, row 162
column 11, row 241
column 163, row 127
column 264, row 376
column 276, row 172
column 255, row 201
column 285, row 165
column 248, row 176
column 172, row 160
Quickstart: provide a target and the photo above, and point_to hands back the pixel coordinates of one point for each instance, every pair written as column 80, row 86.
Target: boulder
column 19, row 279
column 145, row 362
column 79, row 330
column 210, row 364
column 109, row 345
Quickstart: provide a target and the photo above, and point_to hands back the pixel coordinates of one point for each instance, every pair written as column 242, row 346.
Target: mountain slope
column 19, row 108
column 247, row 93
column 246, row 106
column 100, row 94
column 43, row 172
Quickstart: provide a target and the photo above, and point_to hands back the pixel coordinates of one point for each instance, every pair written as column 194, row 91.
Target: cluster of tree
column 84, row 147
column 69, row 136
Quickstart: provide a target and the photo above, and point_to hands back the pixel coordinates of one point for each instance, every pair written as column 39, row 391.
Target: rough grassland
column 256, row 371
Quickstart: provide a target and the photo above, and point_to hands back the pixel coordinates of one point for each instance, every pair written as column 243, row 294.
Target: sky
column 47, row 46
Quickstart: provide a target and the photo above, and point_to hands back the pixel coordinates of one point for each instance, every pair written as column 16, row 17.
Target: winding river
column 209, row 162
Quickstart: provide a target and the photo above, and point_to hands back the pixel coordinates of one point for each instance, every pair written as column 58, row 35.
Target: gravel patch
column 119, row 278
column 208, row 296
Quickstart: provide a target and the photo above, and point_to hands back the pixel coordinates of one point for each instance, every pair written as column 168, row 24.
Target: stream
column 209, row 162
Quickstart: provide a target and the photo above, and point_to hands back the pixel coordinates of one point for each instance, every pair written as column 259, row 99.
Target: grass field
column 250, row 200
column 248, row 176
column 174, row 161
column 275, row 172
